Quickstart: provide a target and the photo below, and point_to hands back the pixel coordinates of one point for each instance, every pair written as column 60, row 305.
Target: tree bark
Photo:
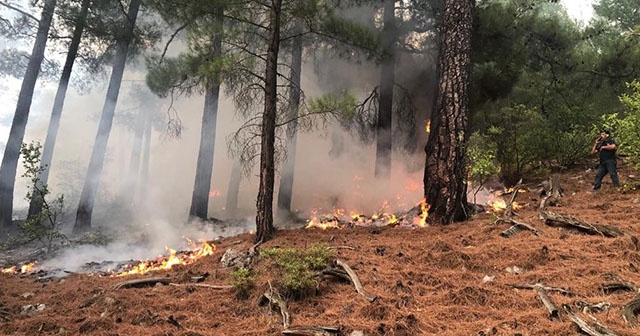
column 23, row 106
column 143, row 187
column 35, row 206
column 285, row 192
column 92, row 179
column 264, row 204
column 445, row 186
column 385, row 110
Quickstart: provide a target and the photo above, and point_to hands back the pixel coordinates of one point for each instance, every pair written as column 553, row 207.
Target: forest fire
column 214, row 193
column 174, row 258
column 339, row 220
column 26, row 268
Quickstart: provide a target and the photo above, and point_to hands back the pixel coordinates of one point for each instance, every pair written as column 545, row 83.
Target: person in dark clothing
column 608, row 164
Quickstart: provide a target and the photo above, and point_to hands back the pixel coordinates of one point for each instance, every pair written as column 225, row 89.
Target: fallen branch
column 276, row 300
column 598, row 330
column 545, row 287
column 137, row 283
column 312, row 331
column 201, row 285
column 508, row 211
column 629, row 311
column 356, row 281
column 516, row 228
column 619, row 284
column 548, row 303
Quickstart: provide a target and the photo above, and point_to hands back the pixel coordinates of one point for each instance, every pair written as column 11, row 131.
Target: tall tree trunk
column 445, row 175
column 128, row 193
column 285, row 191
column 234, row 188
column 23, row 106
column 264, row 204
column 204, row 167
column 35, row 206
column 143, row 186
column 92, row 179
column 387, row 77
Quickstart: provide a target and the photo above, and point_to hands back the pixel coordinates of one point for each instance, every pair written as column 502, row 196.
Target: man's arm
column 609, row 146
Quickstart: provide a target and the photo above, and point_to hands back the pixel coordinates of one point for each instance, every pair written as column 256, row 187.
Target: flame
column 26, row 268
column 500, row 205
column 214, row 193
column 427, row 127
column 165, row 263
column 421, row 220
column 412, row 186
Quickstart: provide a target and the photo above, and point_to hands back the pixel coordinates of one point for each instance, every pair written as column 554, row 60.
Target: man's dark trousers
column 609, row 166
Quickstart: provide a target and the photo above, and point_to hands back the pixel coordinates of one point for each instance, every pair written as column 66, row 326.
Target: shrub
column 297, row 268
column 243, row 281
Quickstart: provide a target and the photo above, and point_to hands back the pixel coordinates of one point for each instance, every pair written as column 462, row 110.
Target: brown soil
column 429, row 281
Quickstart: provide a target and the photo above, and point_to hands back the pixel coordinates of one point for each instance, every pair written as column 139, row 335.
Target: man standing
column 607, row 149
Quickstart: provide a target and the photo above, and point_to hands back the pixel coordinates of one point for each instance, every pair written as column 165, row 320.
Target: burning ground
column 453, row 280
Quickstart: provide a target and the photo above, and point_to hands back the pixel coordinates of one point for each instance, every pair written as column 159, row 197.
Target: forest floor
column 448, row 280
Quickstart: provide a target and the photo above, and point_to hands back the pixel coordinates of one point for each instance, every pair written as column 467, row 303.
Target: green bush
column 626, row 126
column 482, row 153
column 243, row 281
column 298, row 268
column 44, row 226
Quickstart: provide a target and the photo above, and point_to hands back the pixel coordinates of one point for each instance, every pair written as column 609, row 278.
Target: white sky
column 579, row 9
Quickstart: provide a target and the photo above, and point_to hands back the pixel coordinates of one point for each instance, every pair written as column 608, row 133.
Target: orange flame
column 427, row 127
column 26, row 268
column 500, row 205
column 214, row 193
column 165, row 263
column 421, row 220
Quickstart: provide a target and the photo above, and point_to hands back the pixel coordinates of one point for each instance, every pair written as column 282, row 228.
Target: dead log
column 556, row 220
column 356, row 281
column 598, row 330
column 145, row 282
column 312, row 331
column 619, row 284
column 276, row 301
column 545, row 287
column 516, row 227
column 551, row 189
column 547, row 302
column 201, row 285
column 629, row 311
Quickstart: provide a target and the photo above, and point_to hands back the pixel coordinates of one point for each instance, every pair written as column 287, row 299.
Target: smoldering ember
column 213, row 167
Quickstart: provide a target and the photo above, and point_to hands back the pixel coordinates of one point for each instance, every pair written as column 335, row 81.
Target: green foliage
column 243, row 280
column 44, row 226
column 342, row 104
column 298, row 267
column 482, row 153
column 521, row 139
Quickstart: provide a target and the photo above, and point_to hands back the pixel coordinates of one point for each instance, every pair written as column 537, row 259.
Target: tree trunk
column 23, row 106
column 385, row 109
column 143, row 187
column 285, row 192
column 35, row 206
column 234, row 188
column 92, row 179
column 128, row 192
column 264, row 204
column 445, row 187
column 204, row 167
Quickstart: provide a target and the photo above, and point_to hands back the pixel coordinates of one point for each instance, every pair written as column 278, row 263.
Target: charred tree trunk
column 234, row 188
column 264, row 217
column 285, row 192
column 19, row 124
column 385, row 109
column 35, row 206
column 445, row 187
column 92, row 179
